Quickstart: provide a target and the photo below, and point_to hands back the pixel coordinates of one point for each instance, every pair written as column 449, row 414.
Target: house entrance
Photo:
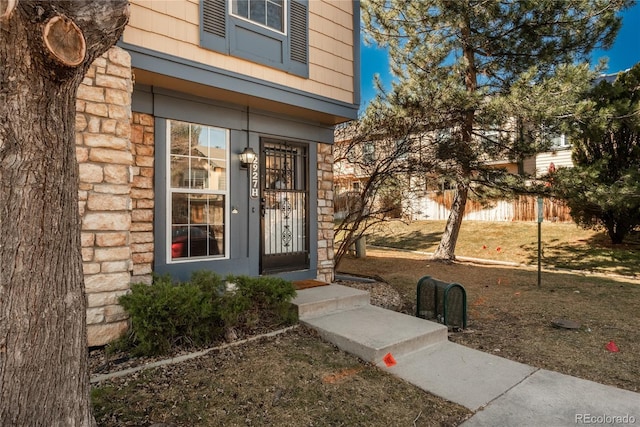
column 284, row 207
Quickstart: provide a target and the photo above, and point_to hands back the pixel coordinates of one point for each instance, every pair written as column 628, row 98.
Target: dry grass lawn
column 295, row 379
column 564, row 245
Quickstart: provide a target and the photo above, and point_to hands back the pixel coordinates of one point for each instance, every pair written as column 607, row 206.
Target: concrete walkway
column 501, row 392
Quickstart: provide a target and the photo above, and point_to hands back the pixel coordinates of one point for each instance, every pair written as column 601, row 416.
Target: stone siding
column 325, row 212
column 142, row 197
column 104, row 154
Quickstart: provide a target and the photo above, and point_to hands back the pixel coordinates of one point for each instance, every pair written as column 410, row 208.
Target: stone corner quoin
column 115, row 152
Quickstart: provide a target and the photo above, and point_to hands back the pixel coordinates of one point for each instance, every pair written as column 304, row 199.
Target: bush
column 197, row 313
column 270, row 300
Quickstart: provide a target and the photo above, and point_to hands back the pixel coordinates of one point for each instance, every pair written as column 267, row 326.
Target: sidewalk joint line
column 507, row 390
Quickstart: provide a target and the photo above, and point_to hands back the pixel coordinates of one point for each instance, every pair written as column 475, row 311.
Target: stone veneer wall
column 142, row 197
column 325, row 213
column 104, row 154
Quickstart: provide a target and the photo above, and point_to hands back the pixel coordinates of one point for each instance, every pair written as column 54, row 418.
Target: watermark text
column 605, row 419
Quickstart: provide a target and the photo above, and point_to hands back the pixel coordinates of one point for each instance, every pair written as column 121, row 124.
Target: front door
column 284, row 200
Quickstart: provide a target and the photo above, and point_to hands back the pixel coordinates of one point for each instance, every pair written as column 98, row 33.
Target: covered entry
column 284, row 206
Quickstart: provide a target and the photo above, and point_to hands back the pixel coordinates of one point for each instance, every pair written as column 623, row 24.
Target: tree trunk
column 44, row 376
column 616, row 231
column 447, row 247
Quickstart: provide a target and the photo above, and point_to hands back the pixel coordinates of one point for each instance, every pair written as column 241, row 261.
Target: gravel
column 382, row 294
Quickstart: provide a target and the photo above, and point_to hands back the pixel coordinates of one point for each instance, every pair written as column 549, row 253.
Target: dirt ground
column 510, row 316
column 294, row 379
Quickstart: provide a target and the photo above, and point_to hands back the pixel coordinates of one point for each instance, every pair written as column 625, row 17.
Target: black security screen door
column 285, row 222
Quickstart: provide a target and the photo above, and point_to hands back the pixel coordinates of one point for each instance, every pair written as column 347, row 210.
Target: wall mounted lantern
column 247, row 157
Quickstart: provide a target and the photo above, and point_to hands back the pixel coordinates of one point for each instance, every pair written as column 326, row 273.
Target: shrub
column 270, row 299
column 166, row 315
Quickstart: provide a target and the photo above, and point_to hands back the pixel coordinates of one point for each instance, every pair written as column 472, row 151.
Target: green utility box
column 443, row 302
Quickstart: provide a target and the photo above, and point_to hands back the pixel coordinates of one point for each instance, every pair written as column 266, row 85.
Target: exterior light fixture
column 247, row 157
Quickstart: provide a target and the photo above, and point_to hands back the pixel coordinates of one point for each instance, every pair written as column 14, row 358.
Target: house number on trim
column 255, row 179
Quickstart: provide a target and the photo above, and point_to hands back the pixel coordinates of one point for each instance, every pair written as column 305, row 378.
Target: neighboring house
column 430, row 197
column 558, row 156
column 163, row 118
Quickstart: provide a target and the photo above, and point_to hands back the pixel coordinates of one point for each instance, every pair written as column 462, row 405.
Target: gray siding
column 246, row 129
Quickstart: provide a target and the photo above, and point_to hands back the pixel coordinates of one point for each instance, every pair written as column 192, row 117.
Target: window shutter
column 299, row 38
column 299, row 32
column 213, row 31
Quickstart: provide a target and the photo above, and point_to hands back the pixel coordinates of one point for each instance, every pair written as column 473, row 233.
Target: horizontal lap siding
column 172, row 27
column 331, row 43
column 560, row 158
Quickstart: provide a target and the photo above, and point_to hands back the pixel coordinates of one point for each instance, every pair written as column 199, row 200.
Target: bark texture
column 43, row 353
column 447, row 246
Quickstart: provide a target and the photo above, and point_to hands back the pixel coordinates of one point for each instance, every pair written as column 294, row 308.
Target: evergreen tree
column 603, row 189
column 483, row 76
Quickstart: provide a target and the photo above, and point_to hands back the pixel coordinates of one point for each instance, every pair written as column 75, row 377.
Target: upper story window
column 274, row 33
column 489, row 136
column 268, row 13
column 402, row 148
column 554, row 138
column 369, row 152
column 560, row 141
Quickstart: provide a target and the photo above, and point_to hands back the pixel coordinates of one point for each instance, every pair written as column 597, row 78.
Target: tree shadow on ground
column 593, row 254
column 415, row 240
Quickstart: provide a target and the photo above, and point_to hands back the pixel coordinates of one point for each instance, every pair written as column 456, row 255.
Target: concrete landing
column 370, row 332
column 314, row 302
column 460, row 374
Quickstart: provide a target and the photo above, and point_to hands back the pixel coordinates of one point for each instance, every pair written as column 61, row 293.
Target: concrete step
column 321, row 300
column 371, row 332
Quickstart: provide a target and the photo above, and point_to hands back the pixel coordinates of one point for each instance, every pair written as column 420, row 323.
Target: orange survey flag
column 389, row 360
column 612, row 347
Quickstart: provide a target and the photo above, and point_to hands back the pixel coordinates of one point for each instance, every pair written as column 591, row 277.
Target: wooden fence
column 522, row 208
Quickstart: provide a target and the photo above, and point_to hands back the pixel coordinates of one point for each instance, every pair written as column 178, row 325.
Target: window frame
column 369, row 152
column 170, row 190
column 563, row 141
column 225, row 32
column 285, row 26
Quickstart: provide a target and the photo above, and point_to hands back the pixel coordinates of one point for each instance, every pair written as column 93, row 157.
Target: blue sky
column 624, row 54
